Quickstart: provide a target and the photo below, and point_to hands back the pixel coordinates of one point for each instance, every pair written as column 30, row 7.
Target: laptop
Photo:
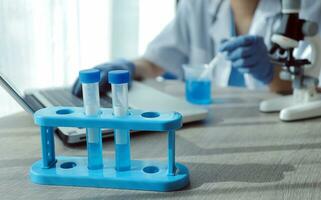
column 140, row 96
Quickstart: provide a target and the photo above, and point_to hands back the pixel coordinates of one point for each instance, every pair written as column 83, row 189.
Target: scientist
column 201, row 29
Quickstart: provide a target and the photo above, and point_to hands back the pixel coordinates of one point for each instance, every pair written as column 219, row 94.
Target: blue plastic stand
column 73, row 171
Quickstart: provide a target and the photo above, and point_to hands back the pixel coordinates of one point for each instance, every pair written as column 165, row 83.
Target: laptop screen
column 17, row 95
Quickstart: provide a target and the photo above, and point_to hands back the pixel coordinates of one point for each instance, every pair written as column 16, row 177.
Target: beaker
column 197, row 84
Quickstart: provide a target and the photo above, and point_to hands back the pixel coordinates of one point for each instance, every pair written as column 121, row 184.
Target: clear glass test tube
column 119, row 81
column 90, row 88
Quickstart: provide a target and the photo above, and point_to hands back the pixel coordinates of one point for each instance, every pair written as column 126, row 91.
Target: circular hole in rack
column 150, row 114
column 68, row 165
column 151, row 169
column 64, row 111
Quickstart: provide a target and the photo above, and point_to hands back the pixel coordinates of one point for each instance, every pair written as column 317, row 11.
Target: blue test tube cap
column 118, row 76
column 89, row 76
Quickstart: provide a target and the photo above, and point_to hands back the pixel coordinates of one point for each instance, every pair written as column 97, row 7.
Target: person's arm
column 280, row 86
column 169, row 50
column 146, row 69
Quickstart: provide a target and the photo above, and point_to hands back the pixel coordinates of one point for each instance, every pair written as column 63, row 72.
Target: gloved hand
column 249, row 54
column 104, row 87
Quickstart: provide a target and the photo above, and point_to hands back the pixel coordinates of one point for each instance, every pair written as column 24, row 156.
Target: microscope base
column 276, row 104
column 301, row 111
column 291, row 110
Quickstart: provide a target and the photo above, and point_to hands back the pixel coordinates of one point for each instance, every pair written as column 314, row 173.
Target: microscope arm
column 313, row 69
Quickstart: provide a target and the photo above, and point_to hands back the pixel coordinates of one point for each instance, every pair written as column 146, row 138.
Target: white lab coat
column 194, row 35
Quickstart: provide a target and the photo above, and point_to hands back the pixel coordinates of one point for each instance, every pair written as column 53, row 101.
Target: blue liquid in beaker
column 198, row 91
column 122, row 155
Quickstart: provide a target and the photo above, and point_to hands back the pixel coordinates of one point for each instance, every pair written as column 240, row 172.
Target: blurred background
column 45, row 43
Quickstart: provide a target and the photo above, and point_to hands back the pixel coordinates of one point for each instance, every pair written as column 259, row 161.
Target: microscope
column 304, row 72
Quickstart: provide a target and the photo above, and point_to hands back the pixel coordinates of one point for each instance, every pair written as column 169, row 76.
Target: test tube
column 119, row 84
column 90, row 89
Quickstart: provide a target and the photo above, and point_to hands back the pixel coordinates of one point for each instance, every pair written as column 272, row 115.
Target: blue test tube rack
column 73, row 171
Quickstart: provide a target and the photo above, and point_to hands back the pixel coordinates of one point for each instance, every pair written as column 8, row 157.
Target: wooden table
column 237, row 153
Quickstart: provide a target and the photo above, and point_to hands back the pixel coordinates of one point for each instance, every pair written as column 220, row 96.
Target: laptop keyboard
column 63, row 97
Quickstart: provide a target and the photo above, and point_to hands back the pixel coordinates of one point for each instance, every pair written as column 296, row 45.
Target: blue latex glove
column 249, row 54
column 104, row 68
